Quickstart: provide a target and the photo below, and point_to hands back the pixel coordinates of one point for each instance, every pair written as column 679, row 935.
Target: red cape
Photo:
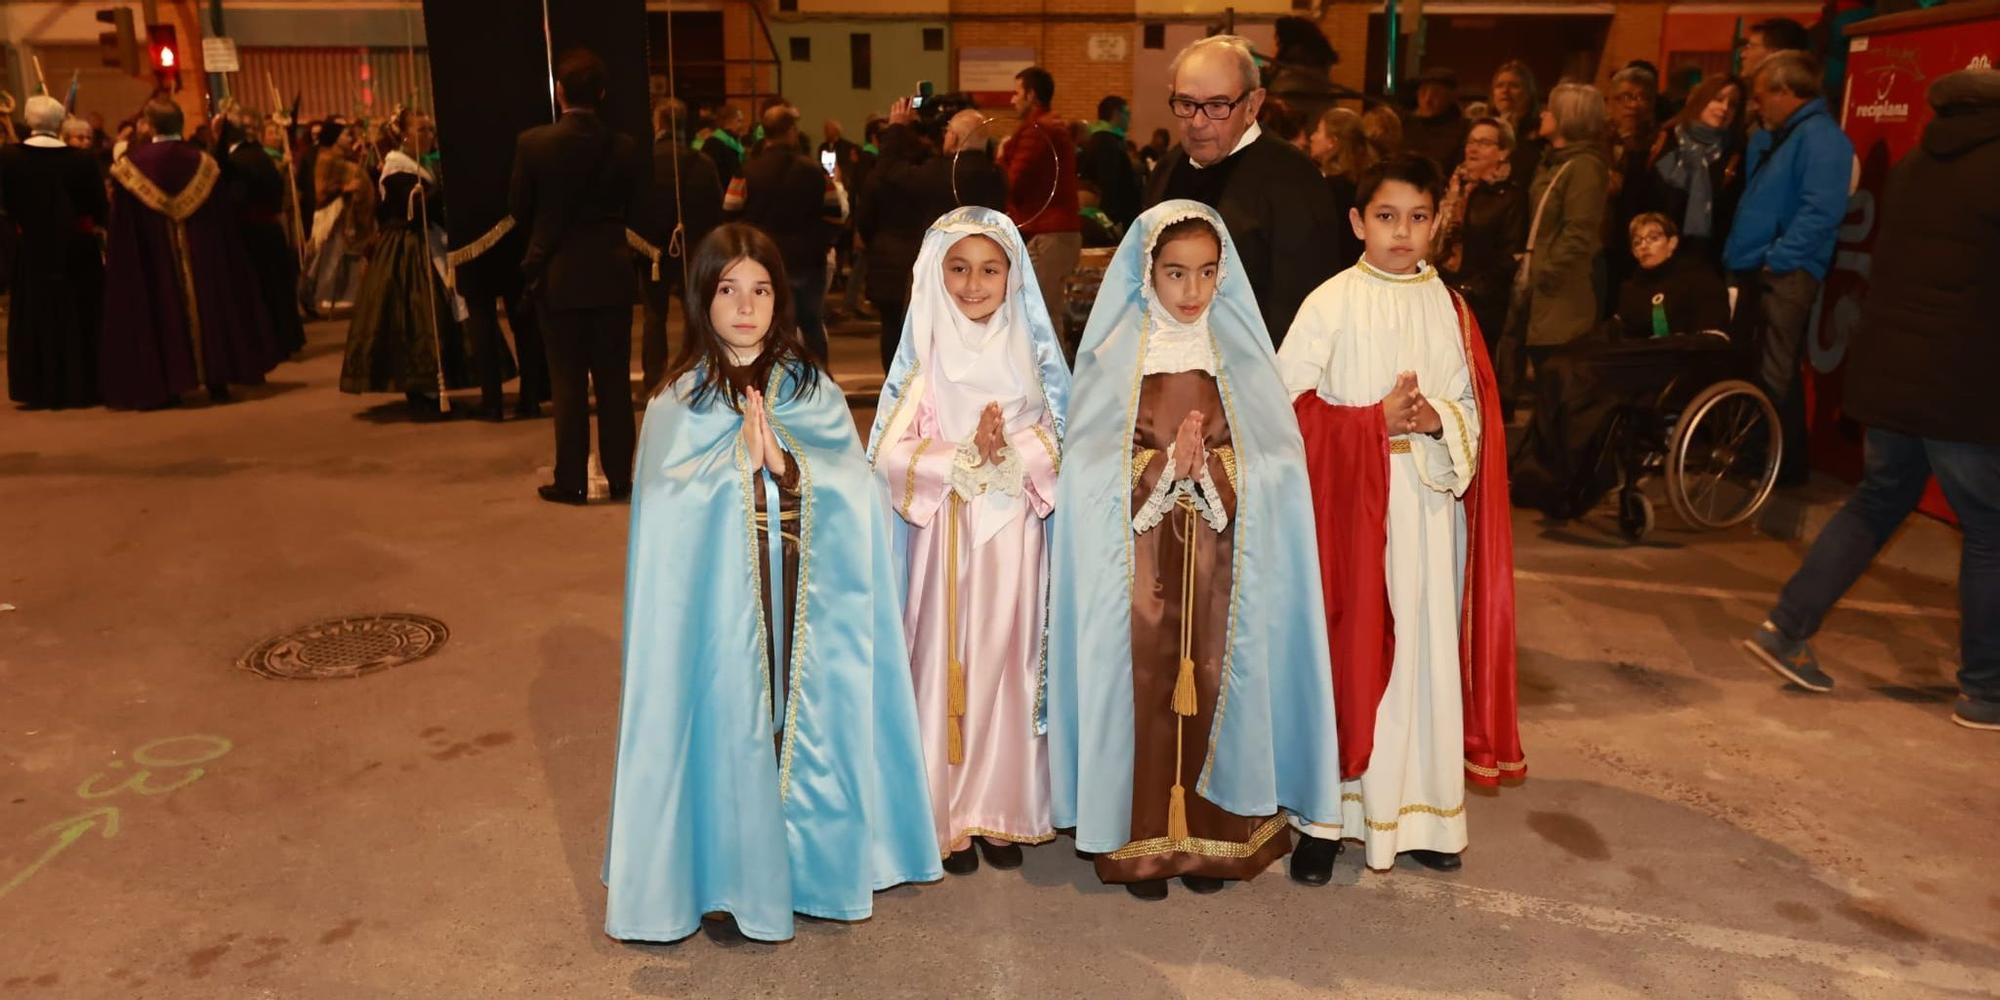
column 1347, row 458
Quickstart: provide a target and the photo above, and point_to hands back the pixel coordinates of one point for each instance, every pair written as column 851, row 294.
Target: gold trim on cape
column 1201, row 845
column 471, row 251
column 796, row 691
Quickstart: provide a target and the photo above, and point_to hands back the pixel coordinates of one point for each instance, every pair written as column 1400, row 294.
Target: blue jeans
column 1898, row 466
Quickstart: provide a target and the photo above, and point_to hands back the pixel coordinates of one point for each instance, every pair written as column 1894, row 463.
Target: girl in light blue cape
column 767, row 748
column 1190, row 698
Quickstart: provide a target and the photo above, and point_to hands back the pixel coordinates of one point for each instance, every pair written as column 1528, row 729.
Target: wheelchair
column 1714, row 442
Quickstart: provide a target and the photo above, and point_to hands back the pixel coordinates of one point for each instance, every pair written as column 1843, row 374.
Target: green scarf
column 1104, row 126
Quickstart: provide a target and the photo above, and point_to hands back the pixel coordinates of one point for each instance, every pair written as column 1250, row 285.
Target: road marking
column 1722, row 594
column 1846, row 959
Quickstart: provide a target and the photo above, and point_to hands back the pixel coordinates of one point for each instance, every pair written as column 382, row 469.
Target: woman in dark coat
column 406, row 334
column 1483, row 226
column 1698, row 168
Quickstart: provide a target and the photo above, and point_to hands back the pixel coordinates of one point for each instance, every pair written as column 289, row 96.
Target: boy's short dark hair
column 1039, row 83
column 1108, row 108
column 581, row 74
column 1782, row 33
column 1417, row 171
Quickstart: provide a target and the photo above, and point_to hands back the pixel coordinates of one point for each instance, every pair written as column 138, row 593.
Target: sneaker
column 1794, row 661
column 1977, row 714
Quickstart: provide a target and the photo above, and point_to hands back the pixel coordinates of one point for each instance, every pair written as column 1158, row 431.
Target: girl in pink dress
column 968, row 441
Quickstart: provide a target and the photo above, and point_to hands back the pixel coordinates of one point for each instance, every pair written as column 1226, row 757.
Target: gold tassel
column 1184, row 699
column 1177, row 828
column 954, row 670
column 656, row 269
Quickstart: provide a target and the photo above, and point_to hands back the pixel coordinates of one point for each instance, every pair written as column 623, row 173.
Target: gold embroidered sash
column 178, row 208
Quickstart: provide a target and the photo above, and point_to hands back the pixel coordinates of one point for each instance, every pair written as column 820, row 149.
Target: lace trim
column 1199, row 490
column 972, row 477
column 1167, row 354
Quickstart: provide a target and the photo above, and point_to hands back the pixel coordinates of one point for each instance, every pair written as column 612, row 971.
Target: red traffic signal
column 164, row 46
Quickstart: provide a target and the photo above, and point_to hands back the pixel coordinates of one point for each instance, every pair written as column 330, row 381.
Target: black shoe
column 1201, row 884
column 556, row 494
column 962, row 862
column 621, row 494
column 1151, row 890
column 1437, row 861
column 526, row 410
column 218, row 394
column 1312, row 860
column 1000, row 854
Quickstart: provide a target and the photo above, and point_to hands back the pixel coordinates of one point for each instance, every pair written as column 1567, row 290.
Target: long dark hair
column 703, row 350
column 1707, row 92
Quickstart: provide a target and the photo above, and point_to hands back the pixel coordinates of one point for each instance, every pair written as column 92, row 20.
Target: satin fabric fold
column 1273, row 742
column 1347, row 460
column 1487, row 652
column 705, row 817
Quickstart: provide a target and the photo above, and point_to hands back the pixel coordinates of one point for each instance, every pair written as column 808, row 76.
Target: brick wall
column 1061, row 46
column 1634, row 34
column 1345, row 23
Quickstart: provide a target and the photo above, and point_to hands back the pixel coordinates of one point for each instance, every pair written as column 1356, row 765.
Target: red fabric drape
column 1347, row 460
column 1486, row 627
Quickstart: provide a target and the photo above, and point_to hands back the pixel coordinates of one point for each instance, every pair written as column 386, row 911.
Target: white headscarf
column 1176, row 346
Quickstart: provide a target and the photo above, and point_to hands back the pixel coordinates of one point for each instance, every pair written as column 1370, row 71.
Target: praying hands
column 1406, row 411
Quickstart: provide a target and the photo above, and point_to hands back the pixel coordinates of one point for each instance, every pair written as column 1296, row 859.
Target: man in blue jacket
column 1801, row 168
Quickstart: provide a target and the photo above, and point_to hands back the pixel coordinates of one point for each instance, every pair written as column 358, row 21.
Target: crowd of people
column 1224, row 571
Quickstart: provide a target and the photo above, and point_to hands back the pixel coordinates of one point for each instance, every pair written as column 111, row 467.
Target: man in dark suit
column 695, row 208
column 912, row 184
column 791, row 198
column 577, row 185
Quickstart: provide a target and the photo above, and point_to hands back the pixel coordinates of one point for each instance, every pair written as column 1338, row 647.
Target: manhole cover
column 346, row 647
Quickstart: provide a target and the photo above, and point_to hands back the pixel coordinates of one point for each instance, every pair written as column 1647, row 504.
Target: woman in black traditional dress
column 405, row 334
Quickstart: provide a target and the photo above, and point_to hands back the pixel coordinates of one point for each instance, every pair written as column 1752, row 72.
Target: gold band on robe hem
column 1012, row 838
column 1495, row 771
column 1202, row 846
column 1418, row 807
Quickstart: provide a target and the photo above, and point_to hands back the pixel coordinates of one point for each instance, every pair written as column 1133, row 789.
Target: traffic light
column 120, row 46
column 164, row 44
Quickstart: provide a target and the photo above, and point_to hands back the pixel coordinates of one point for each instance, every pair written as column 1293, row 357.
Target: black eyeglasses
column 1214, row 110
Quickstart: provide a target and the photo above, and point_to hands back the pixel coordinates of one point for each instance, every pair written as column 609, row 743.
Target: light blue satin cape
column 705, row 817
column 1273, row 742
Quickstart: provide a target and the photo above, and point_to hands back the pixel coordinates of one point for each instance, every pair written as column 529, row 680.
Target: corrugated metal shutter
column 356, row 82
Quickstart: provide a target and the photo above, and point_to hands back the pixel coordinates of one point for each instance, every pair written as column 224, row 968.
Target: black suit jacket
column 1280, row 214
column 699, row 207
column 909, row 187
column 577, row 185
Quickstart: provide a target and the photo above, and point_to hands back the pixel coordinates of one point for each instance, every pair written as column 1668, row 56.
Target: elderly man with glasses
column 1279, row 212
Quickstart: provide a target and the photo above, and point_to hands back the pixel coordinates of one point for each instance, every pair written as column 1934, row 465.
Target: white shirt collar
column 1249, row 137
column 43, row 141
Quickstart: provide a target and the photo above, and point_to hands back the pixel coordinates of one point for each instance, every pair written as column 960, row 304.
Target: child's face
column 741, row 308
column 1184, row 274
column 1395, row 226
column 975, row 275
column 1651, row 246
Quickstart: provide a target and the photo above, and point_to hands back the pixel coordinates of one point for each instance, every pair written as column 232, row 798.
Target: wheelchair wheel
column 1723, row 460
column 1635, row 515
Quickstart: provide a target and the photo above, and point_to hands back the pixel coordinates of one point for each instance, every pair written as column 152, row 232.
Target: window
column 1156, row 36
column 859, row 54
column 802, row 48
column 933, row 39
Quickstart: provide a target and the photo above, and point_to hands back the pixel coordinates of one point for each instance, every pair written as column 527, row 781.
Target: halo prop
column 1053, row 157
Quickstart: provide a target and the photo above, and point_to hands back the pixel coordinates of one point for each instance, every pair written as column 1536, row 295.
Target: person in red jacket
column 1040, row 162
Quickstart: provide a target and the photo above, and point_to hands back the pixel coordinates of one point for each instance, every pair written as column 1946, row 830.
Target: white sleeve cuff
column 971, row 478
column 1448, row 462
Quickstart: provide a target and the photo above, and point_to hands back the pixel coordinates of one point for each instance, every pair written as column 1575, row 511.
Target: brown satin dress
column 1220, row 844
column 788, row 527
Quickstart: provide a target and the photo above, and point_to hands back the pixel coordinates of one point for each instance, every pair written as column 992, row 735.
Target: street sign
column 1109, row 46
column 218, row 55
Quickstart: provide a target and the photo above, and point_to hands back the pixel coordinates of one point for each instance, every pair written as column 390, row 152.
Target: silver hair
column 44, row 113
column 76, row 126
column 1795, row 73
column 1236, row 46
column 1579, row 112
column 1637, row 74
